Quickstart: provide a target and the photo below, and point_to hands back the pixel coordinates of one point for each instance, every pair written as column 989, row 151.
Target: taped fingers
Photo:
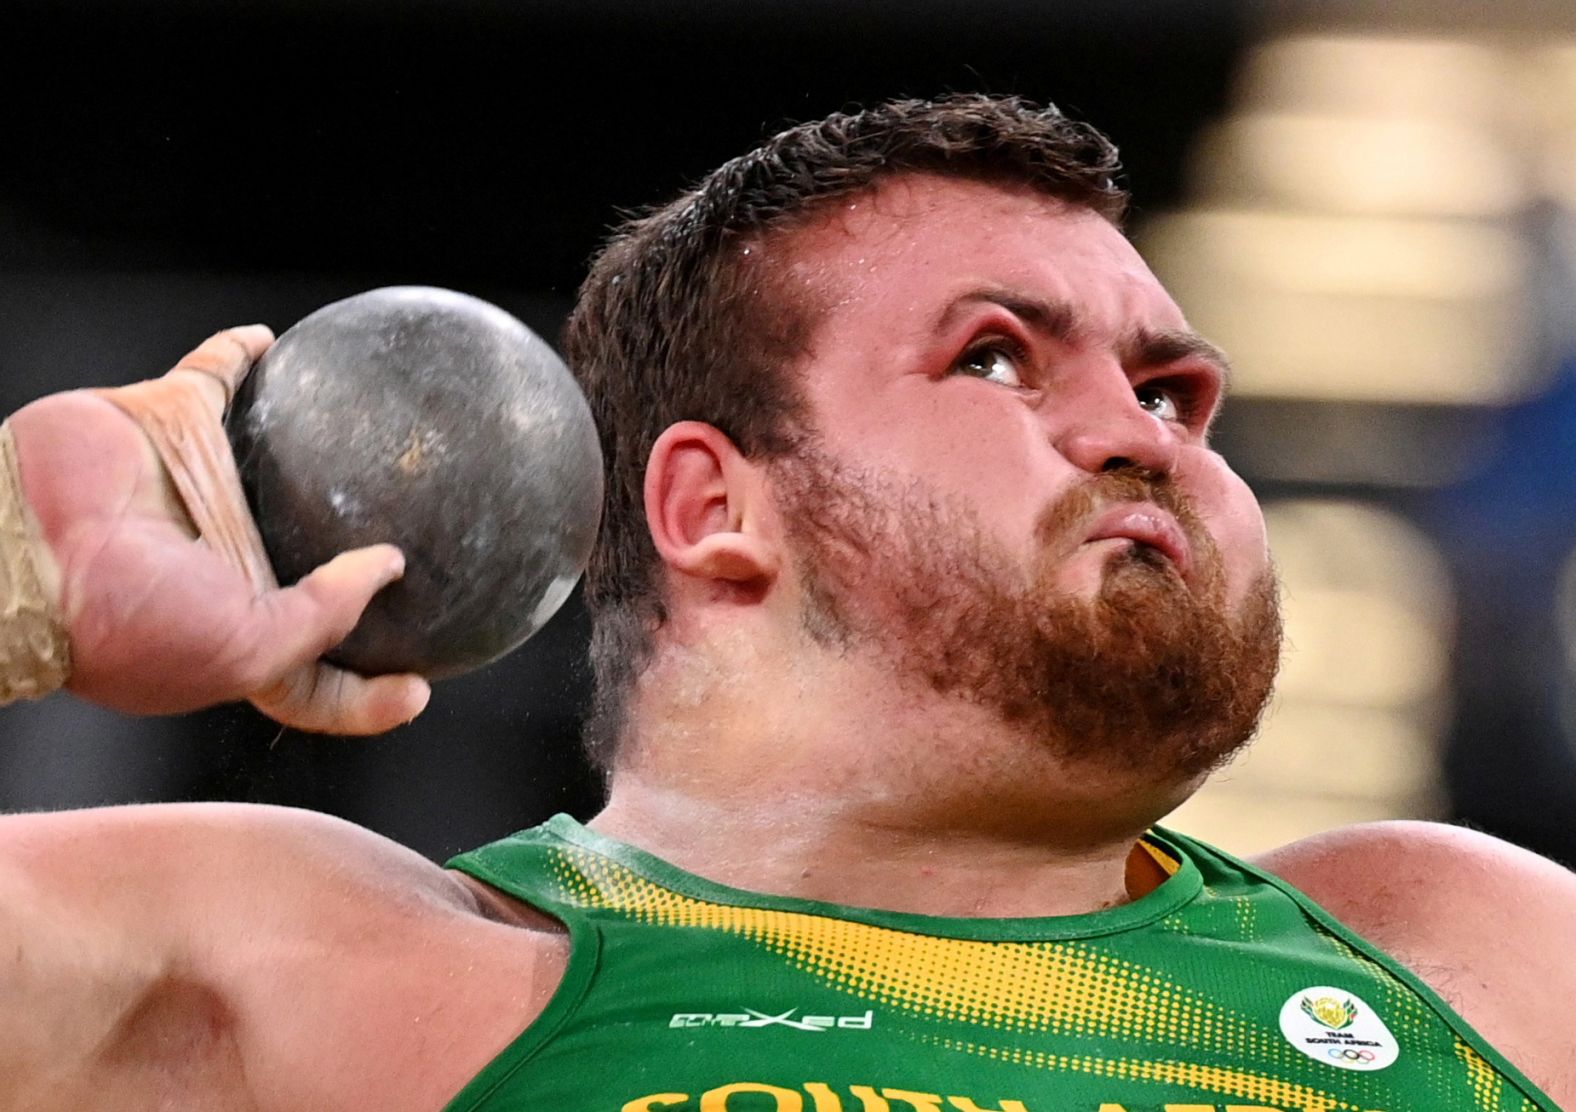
column 180, row 414
column 225, row 358
column 285, row 631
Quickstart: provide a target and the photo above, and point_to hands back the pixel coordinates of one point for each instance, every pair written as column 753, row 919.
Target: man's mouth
column 1144, row 524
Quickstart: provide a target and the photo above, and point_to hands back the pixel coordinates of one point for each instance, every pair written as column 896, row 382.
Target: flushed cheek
column 1232, row 515
column 961, row 439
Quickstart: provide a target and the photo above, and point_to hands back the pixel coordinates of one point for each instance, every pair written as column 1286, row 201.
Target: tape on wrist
column 35, row 653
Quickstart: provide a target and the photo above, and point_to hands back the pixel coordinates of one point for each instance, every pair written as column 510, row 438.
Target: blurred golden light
column 1341, row 753
column 1397, row 659
column 1547, row 90
column 1368, row 257
column 1358, row 165
column 1328, row 544
column 1252, row 821
column 1379, row 75
column 1556, row 169
column 1354, row 308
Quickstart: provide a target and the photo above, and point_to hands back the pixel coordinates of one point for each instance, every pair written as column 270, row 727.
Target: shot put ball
column 438, row 422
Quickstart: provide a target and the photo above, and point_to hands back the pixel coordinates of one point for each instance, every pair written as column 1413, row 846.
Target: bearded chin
column 1152, row 675
column 1149, row 675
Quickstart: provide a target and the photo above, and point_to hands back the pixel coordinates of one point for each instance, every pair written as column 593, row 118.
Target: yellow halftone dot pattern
column 1247, row 918
column 1061, row 987
column 1483, row 1078
column 1411, row 1021
column 1211, row 1079
column 1402, row 1007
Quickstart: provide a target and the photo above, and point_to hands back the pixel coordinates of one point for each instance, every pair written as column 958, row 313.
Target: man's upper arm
column 91, row 916
column 121, row 926
column 1489, row 926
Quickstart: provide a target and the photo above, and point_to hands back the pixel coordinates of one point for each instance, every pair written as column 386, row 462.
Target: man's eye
column 992, row 362
column 1160, row 403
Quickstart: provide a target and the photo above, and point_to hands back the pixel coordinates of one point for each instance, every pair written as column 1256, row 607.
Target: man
column 920, row 597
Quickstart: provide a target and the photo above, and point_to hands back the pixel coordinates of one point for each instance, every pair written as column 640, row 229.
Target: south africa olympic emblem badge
column 1337, row 1028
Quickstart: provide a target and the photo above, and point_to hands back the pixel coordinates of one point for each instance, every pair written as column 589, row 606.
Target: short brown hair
column 677, row 322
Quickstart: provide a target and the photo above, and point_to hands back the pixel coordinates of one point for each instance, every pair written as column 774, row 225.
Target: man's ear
column 706, row 507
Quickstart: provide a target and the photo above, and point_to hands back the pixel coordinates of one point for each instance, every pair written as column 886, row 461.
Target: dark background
column 168, row 169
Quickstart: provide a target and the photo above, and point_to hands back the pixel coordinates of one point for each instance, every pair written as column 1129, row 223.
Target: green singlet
column 1223, row 990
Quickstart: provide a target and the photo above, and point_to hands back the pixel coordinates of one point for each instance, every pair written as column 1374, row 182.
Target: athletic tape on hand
column 35, row 653
column 189, row 437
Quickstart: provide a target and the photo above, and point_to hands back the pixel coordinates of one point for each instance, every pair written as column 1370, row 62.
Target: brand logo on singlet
column 749, row 1017
column 1338, row 1028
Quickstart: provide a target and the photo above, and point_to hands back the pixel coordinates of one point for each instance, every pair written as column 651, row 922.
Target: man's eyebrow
column 1061, row 322
column 1142, row 348
column 1056, row 319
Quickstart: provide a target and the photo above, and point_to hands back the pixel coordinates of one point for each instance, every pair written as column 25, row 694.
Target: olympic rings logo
column 1348, row 1054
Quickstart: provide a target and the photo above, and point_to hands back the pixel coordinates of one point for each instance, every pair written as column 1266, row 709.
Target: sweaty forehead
column 899, row 251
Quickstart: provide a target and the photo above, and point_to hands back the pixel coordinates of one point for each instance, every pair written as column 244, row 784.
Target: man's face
column 1009, row 489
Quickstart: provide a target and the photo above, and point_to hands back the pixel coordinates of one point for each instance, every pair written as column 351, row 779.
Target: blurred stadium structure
column 1379, row 230
column 1371, row 206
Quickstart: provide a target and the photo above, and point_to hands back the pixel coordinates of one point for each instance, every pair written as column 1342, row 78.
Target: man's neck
column 832, row 788
column 758, row 849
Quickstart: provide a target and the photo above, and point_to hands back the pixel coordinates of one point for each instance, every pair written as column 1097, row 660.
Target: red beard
column 1154, row 673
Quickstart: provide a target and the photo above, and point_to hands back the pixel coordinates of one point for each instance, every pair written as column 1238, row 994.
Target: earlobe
column 735, row 557
column 704, row 507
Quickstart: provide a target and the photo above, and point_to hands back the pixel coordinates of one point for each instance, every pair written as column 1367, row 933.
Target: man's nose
column 1114, row 432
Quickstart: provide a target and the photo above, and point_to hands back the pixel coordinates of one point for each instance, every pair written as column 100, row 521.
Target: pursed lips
column 1147, row 524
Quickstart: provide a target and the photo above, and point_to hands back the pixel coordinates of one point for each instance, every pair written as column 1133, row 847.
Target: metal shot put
column 920, row 596
column 440, row 423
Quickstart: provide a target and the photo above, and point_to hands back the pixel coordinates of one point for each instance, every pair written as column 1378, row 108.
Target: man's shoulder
column 1410, row 880
column 231, row 849
column 338, row 968
column 1487, row 925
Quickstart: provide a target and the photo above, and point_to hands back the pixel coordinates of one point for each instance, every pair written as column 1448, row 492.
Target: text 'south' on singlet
column 1221, row 991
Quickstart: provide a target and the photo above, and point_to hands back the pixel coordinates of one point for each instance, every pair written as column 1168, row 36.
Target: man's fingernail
column 422, row 694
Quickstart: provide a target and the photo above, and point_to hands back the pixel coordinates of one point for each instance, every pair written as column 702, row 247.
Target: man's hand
column 161, row 622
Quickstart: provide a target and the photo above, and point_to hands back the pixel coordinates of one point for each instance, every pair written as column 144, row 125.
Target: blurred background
column 1371, row 206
